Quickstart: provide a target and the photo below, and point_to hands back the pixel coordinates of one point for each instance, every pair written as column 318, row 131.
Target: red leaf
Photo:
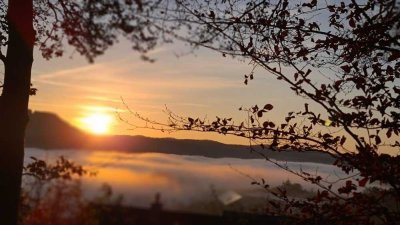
column 363, row 182
column 337, row 84
column 346, row 68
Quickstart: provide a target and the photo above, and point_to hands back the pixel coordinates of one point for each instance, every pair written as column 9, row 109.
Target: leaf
column 260, row 113
column 337, row 84
column 377, row 140
column 331, row 8
column 32, row 91
column 389, row 133
column 352, row 23
column 268, row 107
column 363, row 182
column 212, row 14
column 342, row 140
column 327, row 122
column 308, row 72
column 346, row 68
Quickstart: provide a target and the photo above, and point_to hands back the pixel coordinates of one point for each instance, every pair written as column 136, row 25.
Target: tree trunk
column 14, row 106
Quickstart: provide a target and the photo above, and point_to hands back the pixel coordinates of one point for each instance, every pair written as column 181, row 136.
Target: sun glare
column 98, row 123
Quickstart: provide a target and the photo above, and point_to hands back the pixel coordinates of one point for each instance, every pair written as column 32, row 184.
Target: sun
column 97, row 123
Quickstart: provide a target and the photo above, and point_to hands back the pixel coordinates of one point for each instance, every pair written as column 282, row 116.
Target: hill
column 48, row 131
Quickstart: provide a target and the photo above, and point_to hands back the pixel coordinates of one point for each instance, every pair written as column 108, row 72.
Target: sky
column 196, row 84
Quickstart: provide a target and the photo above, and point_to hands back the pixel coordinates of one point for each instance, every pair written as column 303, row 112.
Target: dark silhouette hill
column 48, row 131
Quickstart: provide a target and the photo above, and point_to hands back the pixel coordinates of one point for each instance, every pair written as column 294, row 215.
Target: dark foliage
column 343, row 57
column 89, row 27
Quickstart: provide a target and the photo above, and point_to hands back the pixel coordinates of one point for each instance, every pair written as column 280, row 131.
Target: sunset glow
column 97, row 123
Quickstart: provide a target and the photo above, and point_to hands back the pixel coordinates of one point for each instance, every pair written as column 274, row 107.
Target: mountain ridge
column 48, row 131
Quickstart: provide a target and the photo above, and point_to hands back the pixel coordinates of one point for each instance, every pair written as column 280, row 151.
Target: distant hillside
column 48, row 131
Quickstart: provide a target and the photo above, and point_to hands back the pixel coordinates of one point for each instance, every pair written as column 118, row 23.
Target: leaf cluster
column 344, row 58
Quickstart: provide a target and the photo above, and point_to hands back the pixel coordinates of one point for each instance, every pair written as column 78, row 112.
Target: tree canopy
column 90, row 27
column 341, row 56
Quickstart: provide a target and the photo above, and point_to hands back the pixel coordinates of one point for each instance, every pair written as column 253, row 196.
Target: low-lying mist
column 180, row 179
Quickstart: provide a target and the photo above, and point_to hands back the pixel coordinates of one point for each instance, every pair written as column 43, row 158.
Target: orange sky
column 200, row 84
column 203, row 84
